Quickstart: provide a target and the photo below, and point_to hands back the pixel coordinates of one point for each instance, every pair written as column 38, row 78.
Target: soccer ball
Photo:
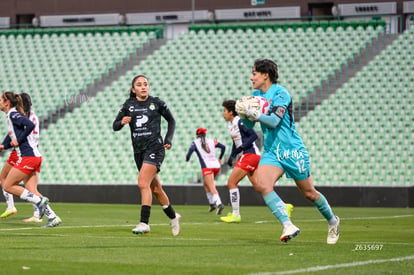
column 263, row 105
column 257, row 103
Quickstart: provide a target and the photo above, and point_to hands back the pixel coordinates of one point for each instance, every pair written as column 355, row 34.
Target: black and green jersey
column 145, row 122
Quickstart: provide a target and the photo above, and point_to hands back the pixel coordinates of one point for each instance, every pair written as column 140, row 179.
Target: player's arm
column 166, row 113
column 248, row 135
column 223, row 149
column 24, row 123
column 190, row 152
column 6, row 142
column 234, row 152
column 274, row 118
column 117, row 124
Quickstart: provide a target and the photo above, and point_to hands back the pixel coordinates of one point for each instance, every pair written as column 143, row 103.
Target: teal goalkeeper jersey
column 282, row 140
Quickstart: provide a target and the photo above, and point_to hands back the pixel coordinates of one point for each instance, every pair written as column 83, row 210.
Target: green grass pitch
column 97, row 239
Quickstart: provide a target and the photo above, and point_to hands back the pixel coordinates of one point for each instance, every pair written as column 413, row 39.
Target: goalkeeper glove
column 253, row 114
column 241, row 107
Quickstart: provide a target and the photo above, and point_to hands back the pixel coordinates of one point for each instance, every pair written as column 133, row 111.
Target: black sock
column 169, row 211
column 145, row 213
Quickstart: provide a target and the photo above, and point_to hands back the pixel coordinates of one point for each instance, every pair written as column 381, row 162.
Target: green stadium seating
column 195, row 72
column 373, row 113
column 54, row 65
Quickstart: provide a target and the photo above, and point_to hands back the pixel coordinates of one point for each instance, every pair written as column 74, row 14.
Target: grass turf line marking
column 201, row 223
column 181, row 238
column 348, row 219
column 337, row 266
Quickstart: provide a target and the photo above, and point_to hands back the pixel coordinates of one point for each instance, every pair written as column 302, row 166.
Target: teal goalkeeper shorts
column 295, row 164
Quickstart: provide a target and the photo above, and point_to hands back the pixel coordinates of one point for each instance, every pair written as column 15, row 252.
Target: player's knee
column 6, row 187
column 261, row 188
column 311, row 195
column 257, row 188
column 143, row 184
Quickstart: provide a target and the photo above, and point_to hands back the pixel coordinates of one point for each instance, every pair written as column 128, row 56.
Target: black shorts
column 153, row 155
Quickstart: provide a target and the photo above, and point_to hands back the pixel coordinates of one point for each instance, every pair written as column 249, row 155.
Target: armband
column 279, row 111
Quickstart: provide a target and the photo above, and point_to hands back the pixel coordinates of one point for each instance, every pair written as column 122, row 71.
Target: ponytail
column 14, row 101
column 201, row 133
column 27, row 103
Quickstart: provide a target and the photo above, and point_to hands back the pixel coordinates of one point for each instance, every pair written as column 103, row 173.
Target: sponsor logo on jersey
column 288, row 154
column 141, row 120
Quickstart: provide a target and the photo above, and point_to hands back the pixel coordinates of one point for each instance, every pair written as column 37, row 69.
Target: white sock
column 49, row 213
column 30, row 197
column 9, row 199
column 235, row 201
column 210, row 198
column 216, row 199
column 36, row 212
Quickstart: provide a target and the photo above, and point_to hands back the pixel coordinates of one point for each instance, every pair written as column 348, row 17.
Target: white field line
column 200, row 223
column 180, row 238
column 351, row 218
column 337, row 266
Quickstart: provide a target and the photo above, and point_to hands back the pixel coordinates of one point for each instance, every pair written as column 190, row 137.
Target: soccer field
column 97, row 239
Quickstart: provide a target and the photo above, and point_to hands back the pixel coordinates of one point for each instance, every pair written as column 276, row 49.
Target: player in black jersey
column 143, row 114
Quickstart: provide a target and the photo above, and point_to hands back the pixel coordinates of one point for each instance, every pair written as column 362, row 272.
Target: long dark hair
column 14, row 101
column 27, row 103
column 201, row 133
column 131, row 93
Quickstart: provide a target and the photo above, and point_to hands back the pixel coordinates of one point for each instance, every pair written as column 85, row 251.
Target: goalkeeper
column 284, row 151
column 246, row 165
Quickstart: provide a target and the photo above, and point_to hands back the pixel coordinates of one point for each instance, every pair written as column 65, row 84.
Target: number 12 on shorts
column 301, row 165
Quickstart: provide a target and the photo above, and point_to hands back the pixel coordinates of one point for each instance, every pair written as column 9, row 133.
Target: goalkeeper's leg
column 267, row 176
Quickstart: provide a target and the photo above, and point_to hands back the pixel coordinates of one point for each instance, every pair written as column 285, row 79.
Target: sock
column 145, row 213
column 169, row 211
column 235, row 201
column 36, row 212
column 30, row 197
column 9, row 199
column 216, row 199
column 323, row 206
column 49, row 213
column 277, row 206
column 210, row 198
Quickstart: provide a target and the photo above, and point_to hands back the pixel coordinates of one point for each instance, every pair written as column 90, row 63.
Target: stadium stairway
column 105, row 80
column 362, row 135
column 83, row 57
column 332, row 82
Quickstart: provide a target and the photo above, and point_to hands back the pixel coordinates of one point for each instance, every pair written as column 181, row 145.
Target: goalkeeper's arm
column 274, row 118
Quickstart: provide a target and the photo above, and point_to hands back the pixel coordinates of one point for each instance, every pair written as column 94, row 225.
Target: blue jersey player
column 284, row 151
